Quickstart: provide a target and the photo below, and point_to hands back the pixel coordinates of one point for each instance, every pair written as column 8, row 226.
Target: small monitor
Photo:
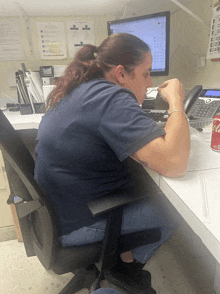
column 46, row 71
column 153, row 29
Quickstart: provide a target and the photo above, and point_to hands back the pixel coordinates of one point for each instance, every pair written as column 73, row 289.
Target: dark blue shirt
column 81, row 146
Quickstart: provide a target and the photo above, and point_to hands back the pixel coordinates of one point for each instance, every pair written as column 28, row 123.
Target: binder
column 22, row 93
column 29, row 91
column 35, row 86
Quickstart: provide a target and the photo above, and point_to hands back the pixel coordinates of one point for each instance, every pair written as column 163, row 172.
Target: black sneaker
column 130, row 277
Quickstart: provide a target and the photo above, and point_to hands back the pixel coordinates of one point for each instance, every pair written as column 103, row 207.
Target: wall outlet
column 199, row 61
column 202, row 60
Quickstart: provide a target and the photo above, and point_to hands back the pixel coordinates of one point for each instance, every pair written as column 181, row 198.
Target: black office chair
column 39, row 228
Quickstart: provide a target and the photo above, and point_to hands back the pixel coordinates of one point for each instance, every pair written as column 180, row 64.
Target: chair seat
column 69, row 259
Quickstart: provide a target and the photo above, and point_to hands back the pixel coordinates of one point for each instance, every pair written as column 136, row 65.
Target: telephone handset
column 191, row 97
column 202, row 103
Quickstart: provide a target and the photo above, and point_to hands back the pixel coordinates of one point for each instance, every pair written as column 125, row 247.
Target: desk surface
column 196, row 195
column 22, row 122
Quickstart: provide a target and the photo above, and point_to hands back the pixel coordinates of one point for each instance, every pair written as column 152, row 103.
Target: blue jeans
column 105, row 291
column 137, row 217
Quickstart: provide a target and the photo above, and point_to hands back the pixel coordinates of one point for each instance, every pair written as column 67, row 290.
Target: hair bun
column 95, row 51
column 86, row 53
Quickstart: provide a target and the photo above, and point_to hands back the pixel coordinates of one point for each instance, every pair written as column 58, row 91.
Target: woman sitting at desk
column 93, row 124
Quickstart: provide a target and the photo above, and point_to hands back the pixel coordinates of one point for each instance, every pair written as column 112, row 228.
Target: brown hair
column 91, row 62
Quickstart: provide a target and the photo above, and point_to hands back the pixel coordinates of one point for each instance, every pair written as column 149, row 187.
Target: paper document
column 152, row 93
column 214, row 39
column 80, row 33
column 52, row 41
column 11, row 46
column 205, row 205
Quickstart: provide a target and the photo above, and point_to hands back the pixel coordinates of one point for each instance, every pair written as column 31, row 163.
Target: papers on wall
column 11, row 47
column 52, row 42
column 214, row 40
column 79, row 33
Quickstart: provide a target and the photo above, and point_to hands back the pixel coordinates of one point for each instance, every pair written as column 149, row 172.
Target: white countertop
column 20, row 122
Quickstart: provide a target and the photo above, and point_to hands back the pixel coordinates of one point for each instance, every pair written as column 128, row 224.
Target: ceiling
column 119, row 8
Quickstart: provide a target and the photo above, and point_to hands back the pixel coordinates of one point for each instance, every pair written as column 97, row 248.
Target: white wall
column 189, row 38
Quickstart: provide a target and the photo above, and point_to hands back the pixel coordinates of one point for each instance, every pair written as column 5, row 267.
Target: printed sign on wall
column 80, row 33
column 11, row 46
column 52, row 41
column 214, row 40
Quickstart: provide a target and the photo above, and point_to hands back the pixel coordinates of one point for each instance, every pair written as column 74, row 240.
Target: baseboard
column 7, row 233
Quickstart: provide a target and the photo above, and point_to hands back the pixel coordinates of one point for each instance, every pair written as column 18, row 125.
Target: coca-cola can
column 215, row 143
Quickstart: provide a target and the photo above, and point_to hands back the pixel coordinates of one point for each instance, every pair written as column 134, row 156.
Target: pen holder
column 27, row 108
column 39, row 107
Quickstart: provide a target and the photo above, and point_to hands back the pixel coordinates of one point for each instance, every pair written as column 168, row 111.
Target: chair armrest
column 141, row 184
column 26, row 208
column 111, row 202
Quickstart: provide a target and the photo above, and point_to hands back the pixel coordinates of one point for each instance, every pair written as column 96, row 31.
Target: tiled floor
column 182, row 266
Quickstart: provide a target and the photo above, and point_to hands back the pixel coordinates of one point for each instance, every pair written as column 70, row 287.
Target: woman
column 93, row 125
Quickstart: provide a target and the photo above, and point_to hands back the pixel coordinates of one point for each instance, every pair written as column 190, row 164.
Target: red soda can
column 215, row 143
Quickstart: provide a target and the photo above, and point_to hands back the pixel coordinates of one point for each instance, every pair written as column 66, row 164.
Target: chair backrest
column 36, row 208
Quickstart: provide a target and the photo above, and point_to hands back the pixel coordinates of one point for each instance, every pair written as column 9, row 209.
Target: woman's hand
column 173, row 93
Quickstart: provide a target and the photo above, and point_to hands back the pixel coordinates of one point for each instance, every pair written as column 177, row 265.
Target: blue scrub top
column 82, row 145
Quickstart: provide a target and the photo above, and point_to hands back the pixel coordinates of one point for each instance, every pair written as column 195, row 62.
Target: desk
column 26, row 125
column 196, row 195
column 23, row 122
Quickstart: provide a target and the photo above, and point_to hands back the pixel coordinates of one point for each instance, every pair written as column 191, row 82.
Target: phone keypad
column 202, row 111
column 204, row 108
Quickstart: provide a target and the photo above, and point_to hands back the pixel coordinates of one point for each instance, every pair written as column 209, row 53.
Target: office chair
column 38, row 224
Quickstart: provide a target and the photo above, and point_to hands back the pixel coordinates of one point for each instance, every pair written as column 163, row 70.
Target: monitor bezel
column 153, row 15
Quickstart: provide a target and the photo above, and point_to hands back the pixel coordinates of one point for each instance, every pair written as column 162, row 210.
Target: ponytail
column 83, row 68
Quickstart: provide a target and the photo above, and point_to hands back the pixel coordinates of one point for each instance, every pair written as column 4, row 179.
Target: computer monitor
column 153, row 29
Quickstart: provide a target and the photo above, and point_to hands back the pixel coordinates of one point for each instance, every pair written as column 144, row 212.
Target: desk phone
column 202, row 103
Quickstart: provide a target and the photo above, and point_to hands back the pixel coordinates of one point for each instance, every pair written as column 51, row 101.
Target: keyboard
column 155, row 115
column 161, row 117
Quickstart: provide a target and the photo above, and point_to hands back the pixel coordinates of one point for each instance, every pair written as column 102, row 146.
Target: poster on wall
column 80, row 33
column 52, row 41
column 214, row 40
column 11, row 46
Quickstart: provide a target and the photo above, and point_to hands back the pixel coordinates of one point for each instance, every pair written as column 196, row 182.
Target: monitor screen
column 153, row 29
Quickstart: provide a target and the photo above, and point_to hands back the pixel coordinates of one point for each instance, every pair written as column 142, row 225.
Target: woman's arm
column 168, row 155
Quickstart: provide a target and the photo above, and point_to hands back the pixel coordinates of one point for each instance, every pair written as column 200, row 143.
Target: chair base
column 90, row 279
column 83, row 278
